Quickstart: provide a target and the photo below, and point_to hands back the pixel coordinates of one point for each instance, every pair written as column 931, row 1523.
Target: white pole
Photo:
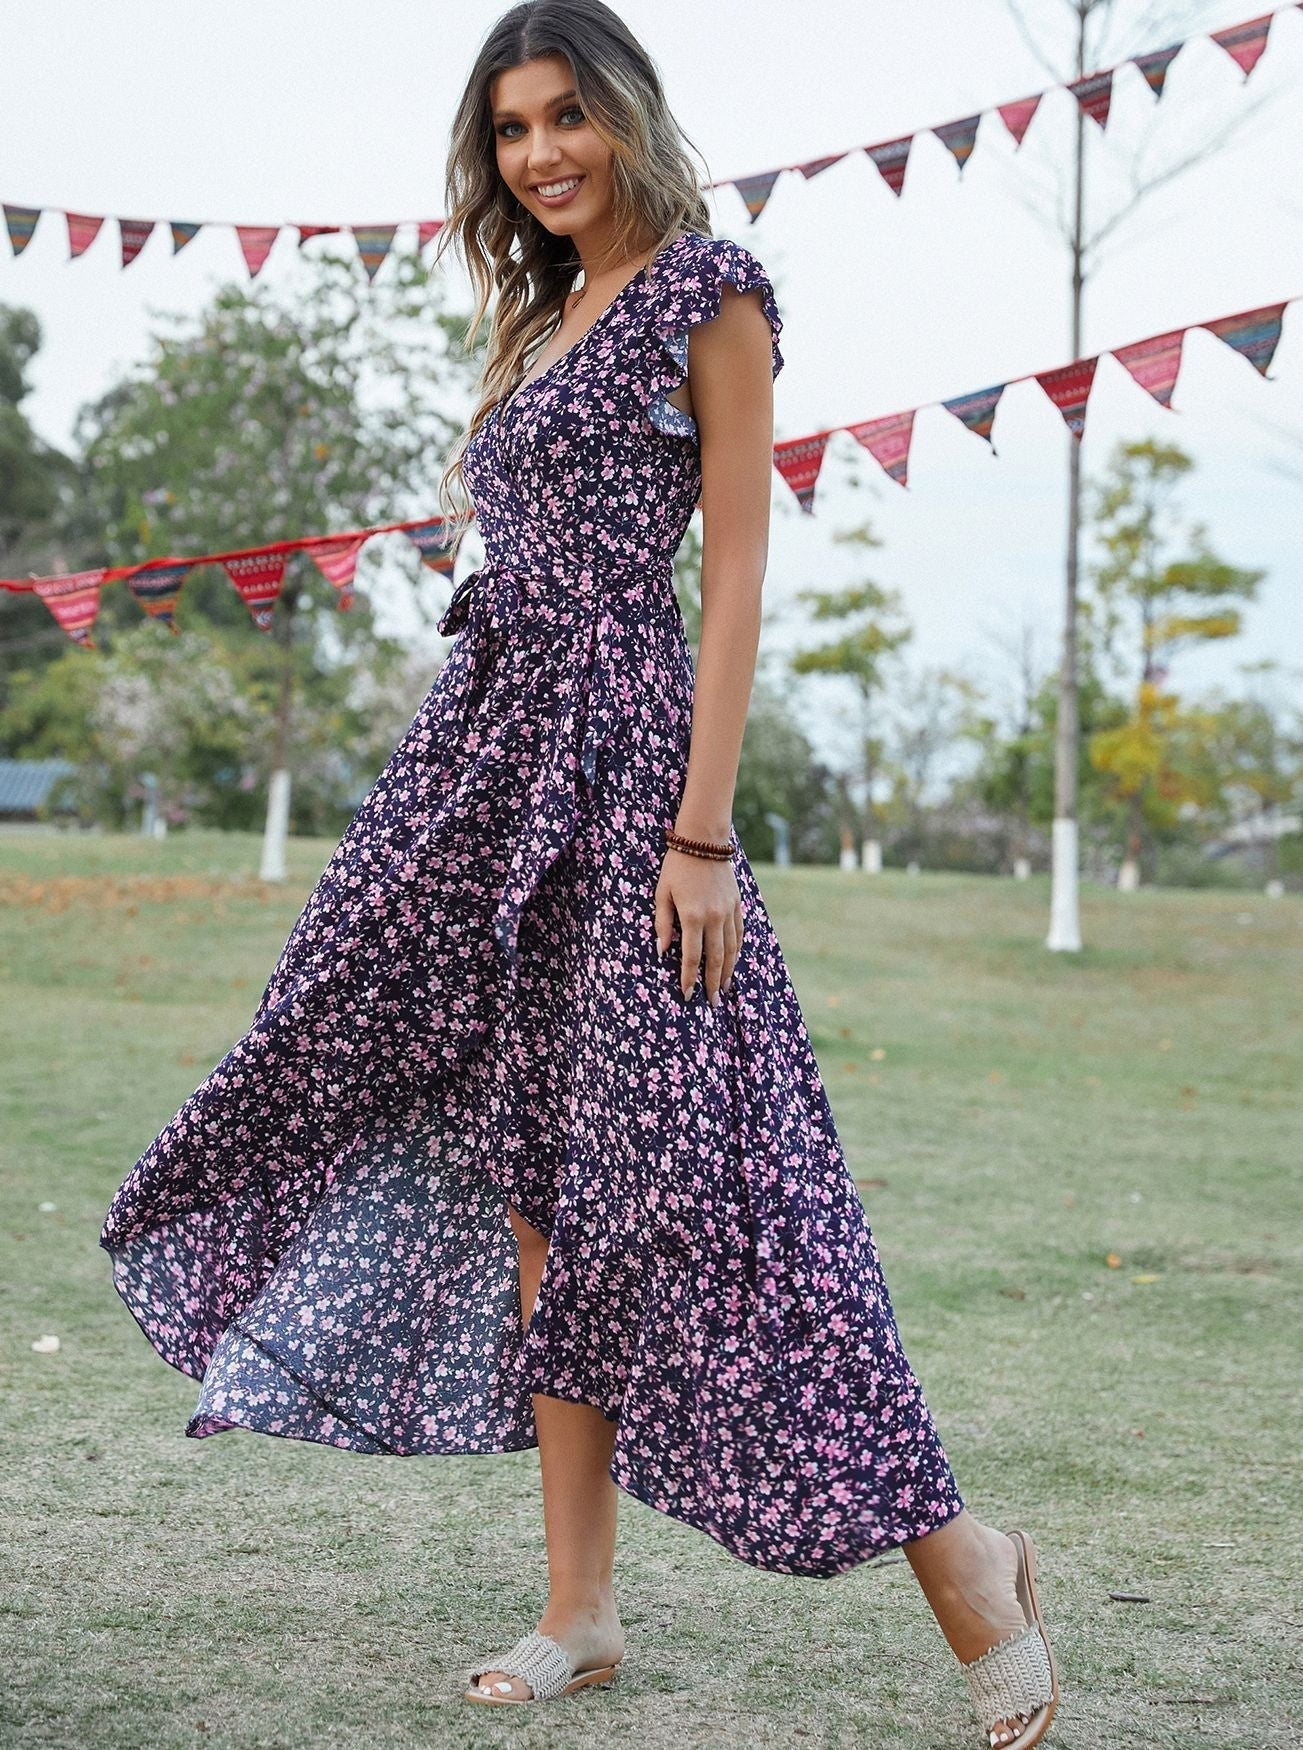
column 1065, row 929
column 277, row 829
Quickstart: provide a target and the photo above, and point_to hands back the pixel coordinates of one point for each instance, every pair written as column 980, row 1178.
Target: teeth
column 550, row 188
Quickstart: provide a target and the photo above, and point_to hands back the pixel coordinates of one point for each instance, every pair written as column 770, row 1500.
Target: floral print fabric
column 470, row 1013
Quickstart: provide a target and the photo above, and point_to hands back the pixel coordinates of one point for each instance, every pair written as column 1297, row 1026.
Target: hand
column 704, row 892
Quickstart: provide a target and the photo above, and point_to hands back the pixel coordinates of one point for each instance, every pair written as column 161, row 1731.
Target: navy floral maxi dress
column 471, row 1012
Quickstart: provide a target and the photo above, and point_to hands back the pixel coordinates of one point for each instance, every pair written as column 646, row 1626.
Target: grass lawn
column 1084, row 1175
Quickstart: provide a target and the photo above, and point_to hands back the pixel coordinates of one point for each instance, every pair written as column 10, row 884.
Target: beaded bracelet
column 701, row 847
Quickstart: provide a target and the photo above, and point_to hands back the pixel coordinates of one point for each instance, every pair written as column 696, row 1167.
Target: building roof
column 25, row 784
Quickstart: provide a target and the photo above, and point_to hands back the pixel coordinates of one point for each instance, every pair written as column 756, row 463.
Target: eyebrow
column 501, row 114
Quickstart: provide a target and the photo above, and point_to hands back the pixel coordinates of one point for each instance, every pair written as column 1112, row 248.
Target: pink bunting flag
column 431, row 542
column 336, row 560
column 976, row 410
column 21, row 222
column 157, row 590
column 258, row 578
column 1017, row 117
column 74, row 600
column 891, row 158
column 1254, row 333
column 1068, row 388
column 1154, row 363
column 1245, row 43
column 756, row 190
column 959, row 138
column 255, row 245
column 815, row 165
column 135, row 233
column 373, row 244
column 1094, row 93
column 83, row 229
column 1153, row 66
column 307, row 232
column 799, row 460
column 887, row 440
column 426, row 232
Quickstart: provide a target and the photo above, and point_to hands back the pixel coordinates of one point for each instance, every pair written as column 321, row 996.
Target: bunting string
column 1244, row 43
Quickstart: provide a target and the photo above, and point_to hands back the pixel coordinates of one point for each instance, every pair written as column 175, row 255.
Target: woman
column 527, row 1143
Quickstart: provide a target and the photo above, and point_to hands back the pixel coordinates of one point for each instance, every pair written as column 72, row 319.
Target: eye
column 573, row 109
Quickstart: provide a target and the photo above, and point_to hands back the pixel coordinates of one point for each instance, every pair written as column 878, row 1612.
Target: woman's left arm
column 731, row 380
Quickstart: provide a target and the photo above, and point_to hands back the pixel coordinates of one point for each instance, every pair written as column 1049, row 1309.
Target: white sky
column 268, row 110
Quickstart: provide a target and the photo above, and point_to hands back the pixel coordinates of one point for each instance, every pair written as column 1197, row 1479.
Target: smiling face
column 546, row 142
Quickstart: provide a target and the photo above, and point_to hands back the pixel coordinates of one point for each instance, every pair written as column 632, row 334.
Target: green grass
column 1016, row 1118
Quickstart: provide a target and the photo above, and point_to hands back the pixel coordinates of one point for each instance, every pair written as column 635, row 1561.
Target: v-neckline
column 510, row 401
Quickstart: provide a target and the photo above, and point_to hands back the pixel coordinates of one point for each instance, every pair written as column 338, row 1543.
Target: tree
column 1160, row 604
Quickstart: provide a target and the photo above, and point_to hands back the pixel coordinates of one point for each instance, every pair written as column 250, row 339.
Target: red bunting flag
column 258, row 577
column 307, row 232
column 74, row 600
column 798, row 461
column 1017, row 117
column 815, row 165
column 135, row 233
column 83, row 229
column 255, row 245
column 426, row 231
column 1154, row 363
column 887, row 440
column 157, row 591
column 1094, row 93
column 336, row 560
column 1068, row 388
column 1245, row 43
column 891, row 158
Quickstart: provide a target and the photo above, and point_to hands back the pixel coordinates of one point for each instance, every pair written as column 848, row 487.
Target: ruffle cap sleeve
column 688, row 284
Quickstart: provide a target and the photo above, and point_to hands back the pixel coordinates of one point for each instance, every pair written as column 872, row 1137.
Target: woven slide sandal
column 545, row 1666
column 1017, row 1679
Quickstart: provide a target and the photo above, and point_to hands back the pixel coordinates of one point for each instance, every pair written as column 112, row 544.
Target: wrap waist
column 560, row 580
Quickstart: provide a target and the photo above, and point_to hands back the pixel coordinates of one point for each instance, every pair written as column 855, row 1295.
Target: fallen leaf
column 1014, row 1293
column 1139, row 1279
column 878, row 1053
column 1113, row 1261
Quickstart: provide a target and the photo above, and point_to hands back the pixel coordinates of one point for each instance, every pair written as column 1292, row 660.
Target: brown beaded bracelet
column 701, row 847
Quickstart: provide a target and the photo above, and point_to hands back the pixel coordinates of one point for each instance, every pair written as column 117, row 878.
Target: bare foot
column 591, row 1636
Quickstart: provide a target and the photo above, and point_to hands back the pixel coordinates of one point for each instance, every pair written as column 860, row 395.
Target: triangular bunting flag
column 306, row 232
column 1094, row 93
column 960, row 137
column 817, row 164
column 183, row 232
column 255, row 245
column 431, row 542
column 83, row 229
column 426, row 232
column 1017, row 117
column 74, row 601
column 1154, row 65
column 135, row 234
column 1255, row 333
column 1154, row 363
column 1068, row 388
column 887, row 440
column 258, row 578
column 157, row 591
column 336, row 560
column 756, row 190
column 1244, row 43
column 799, row 460
column 977, row 410
column 891, row 157
column 21, row 222
column 373, row 244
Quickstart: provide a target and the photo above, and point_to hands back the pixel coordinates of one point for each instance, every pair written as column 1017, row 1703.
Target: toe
column 498, row 1683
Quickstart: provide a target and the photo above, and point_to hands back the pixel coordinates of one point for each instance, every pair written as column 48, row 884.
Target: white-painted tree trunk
column 277, row 829
column 872, row 856
column 1022, row 869
column 1065, row 924
column 1128, row 875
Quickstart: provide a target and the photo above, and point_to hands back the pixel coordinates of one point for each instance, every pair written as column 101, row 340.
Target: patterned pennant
column 1154, row 65
column 887, row 440
column 1068, row 388
column 258, row 578
column 799, row 460
column 21, row 222
column 373, row 244
column 74, row 600
column 891, row 158
column 426, row 232
column 1017, row 117
column 83, row 229
column 960, row 137
column 1154, row 363
column 1095, row 94
column 977, row 410
column 1255, row 333
column 431, row 542
column 255, row 245
column 756, row 190
column 183, row 232
column 135, row 234
column 306, row 232
column 817, row 164
column 157, row 591
column 336, row 560
column 1244, row 43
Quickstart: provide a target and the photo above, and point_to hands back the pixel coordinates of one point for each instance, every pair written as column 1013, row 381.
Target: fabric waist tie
column 577, row 577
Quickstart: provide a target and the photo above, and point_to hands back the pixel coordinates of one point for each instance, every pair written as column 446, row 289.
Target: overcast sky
column 262, row 112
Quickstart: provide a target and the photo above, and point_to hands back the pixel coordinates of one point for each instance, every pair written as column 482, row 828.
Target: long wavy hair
column 505, row 248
